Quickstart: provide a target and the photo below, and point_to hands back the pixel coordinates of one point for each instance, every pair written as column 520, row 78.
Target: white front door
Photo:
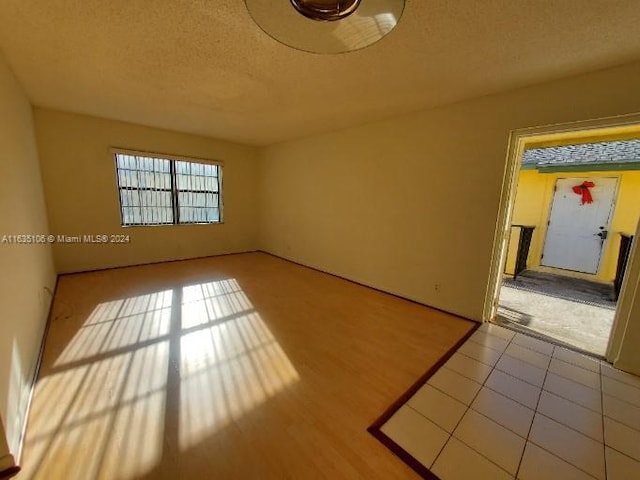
column 577, row 231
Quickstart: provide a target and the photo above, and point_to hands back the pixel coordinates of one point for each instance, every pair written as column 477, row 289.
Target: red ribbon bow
column 583, row 189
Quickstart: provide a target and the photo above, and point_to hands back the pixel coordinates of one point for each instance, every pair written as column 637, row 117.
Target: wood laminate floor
column 241, row 366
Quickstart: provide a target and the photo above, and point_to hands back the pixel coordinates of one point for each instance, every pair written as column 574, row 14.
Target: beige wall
column 409, row 205
column 625, row 352
column 28, row 275
column 82, row 197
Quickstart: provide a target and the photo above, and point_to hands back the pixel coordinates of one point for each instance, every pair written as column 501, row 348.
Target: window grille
column 163, row 191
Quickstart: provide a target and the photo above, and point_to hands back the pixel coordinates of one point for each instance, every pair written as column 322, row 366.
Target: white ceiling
column 204, row 67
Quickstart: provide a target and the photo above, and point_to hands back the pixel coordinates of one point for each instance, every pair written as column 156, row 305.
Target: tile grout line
column 606, row 365
column 479, row 361
column 487, row 346
column 636, row 405
column 435, row 459
column 469, row 408
column 621, row 423
column 528, row 347
column 501, row 353
column 508, row 374
column 633, row 387
column 430, row 467
column 614, row 448
column 569, row 399
column 443, row 392
column 512, row 376
column 572, row 379
column 507, row 397
column 562, row 459
column 622, row 399
column 535, row 412
column 622, row 453
column 558, row 456
column 565, row 425
column 604, row 440
column 623, row 384
column 528, row 364
column 576, row 366
column 479, row 453
column 542, row 389
column 493, row 368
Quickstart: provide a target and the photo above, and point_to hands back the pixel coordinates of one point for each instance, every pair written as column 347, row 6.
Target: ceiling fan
column 326, row 26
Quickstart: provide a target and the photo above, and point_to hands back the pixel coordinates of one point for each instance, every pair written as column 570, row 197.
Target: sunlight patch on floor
column 171, row 366
column 229, row 368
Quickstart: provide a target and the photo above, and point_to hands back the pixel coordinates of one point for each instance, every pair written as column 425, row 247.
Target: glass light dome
column 326, row 26
column 326, row 10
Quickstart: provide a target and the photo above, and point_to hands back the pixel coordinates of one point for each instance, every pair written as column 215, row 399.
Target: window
column 162, row 191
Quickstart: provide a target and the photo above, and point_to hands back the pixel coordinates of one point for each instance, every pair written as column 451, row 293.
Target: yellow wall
column 528, row 210
column 82, row 197
column 409, row 205
column 28, row 276
column 532, row 207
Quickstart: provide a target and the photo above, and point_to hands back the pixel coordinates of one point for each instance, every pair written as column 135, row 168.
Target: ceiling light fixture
column 326, row 26
column 326, row 10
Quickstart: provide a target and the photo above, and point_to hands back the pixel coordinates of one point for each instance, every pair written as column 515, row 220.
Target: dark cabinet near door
column 623, row 257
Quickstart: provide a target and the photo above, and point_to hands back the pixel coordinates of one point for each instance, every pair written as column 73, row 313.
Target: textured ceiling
column 203, row 66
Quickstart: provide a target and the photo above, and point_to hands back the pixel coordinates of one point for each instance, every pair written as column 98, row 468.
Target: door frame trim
column 517, row 140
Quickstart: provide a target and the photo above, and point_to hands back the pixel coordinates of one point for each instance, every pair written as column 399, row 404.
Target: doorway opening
column 569, row 217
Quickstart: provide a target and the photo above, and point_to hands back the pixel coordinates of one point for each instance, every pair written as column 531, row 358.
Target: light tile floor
column 506, row 405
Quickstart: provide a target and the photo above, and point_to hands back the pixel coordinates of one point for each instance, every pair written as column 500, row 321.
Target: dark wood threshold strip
column 9, row 472
column 375, row 427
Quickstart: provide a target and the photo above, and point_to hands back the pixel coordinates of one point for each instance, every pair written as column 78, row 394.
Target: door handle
column 603, row 234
